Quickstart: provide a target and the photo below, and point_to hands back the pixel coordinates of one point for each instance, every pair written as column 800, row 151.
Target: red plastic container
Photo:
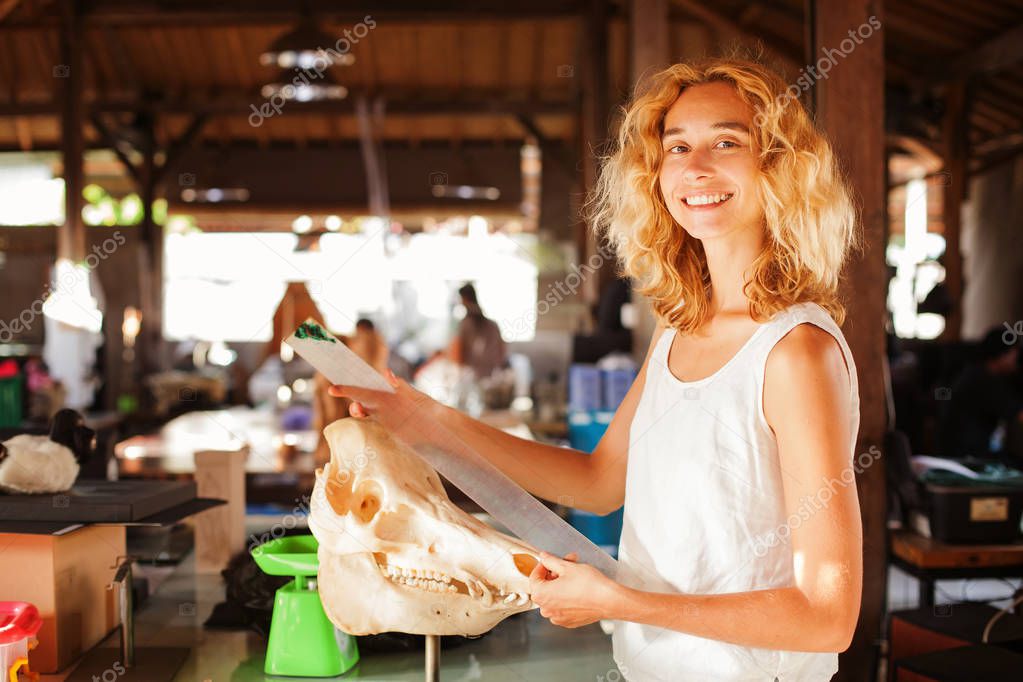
column 19, row 623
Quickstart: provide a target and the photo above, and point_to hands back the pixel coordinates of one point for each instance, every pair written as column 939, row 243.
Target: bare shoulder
column 807, row 348
column 806, row 364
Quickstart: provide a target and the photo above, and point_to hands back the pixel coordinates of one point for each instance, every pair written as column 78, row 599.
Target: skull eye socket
column 367, row 500
column 525, row 563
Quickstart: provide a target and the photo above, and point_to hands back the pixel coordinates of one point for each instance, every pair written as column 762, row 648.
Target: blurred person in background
column 477, row 343
column 983, row 403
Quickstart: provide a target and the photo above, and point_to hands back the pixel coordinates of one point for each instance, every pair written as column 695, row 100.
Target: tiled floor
column 524, row 647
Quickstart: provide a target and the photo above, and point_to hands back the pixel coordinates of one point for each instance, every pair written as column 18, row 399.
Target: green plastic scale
column 303, row 642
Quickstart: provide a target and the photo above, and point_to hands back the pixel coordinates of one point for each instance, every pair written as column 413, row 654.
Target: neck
column 729, row 259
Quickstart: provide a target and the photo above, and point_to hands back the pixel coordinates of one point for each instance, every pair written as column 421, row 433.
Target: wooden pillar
column 955, row 153
column 71, row 72
column 220, row 532
column 649, row 52
column 150, row 254
column 849, row 107
column 648, row 38
column 594, row 125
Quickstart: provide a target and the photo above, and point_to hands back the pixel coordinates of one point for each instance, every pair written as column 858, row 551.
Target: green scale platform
column 303, row 642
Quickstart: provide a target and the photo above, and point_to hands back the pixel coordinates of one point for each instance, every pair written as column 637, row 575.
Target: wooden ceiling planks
column 451, row 57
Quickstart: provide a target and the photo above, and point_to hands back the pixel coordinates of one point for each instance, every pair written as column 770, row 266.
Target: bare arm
column 591, row 482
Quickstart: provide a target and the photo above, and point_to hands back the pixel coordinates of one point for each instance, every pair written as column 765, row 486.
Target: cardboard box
column 66, row 577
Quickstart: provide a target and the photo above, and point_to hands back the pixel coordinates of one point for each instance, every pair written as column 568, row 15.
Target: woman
column 732, row 452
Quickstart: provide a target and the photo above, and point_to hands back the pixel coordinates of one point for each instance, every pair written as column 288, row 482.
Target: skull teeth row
column 424, row 584
column 397, row 572
column 518, row 598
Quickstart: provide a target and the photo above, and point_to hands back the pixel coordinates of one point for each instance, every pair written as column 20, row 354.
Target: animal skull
column 396, row 554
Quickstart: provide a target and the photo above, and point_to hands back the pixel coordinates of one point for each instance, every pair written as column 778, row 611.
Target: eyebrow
column 720, row 125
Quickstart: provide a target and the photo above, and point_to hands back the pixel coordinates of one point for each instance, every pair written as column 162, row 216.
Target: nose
column 699, row 166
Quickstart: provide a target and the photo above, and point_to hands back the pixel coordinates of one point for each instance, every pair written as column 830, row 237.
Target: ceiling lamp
column 305, row 87
column 300, row 47
column 214, row 195
column 465, row 192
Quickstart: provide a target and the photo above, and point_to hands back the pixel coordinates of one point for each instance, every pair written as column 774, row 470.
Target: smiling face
column 709, row 169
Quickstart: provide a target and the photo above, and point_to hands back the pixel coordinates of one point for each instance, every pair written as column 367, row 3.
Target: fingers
column 539, row 572
column 553, row 562
column 357, row 410
column 572, row 556
column 363, row 395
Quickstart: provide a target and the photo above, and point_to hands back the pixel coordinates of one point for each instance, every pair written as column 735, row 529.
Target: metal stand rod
column 432, row 658
column 123, row 580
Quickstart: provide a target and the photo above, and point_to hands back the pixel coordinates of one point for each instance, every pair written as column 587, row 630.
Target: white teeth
column 705, row 199
column 523, row 600
column 488, row 598
column 452, row 588
column 510, row 598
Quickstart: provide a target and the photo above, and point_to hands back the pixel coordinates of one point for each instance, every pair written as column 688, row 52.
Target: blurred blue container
column 584, row 388
column 616, row 385
column 585, row 430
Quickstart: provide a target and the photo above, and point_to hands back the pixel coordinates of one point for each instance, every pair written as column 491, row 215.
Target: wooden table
column 930, row 560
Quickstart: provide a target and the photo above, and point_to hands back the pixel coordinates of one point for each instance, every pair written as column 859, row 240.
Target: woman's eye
column 677, row 149
column 730, row 143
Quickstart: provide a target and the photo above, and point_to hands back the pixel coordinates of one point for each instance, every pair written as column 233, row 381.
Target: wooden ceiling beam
column 239, row 103
column 23, row 129
column 176, row 148
column 6, row 7
column 999, row 53
column 549, row 149
column 109, row 140
column 281, row 144
column 725, row 24
column 262, row 12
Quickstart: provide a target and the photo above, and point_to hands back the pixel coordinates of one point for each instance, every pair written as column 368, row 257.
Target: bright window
column 226, row 286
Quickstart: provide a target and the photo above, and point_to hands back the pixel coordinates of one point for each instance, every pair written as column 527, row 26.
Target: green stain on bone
column 311, row 330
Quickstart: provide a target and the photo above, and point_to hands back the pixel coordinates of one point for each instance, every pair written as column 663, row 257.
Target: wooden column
column 649, row 52
column 850, row 110
column 150, row 253
column 70, row 74
column 220, row 532
column 648, row 38
column 955, row 153
column 594, row 126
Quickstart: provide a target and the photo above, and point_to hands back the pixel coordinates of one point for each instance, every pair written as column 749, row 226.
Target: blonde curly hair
column 809, row 217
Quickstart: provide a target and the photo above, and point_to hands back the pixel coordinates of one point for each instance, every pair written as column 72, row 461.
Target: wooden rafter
column 725, row 24
column 995, row 55
column 549, row 148
column 267, row 12
column 6, row 7
column 23, row 129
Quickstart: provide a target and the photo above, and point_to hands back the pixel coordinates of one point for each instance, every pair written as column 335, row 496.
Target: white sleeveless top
column 703, row 508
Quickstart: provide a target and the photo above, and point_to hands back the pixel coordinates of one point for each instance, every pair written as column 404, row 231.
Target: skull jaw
column 359, row 600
